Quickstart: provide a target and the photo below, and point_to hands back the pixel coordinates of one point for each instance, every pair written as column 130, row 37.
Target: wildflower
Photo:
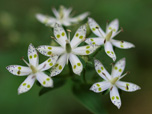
column 112, row 81
column 106, row 38
column 62, row 17
column 68, row 50
column 34, row 70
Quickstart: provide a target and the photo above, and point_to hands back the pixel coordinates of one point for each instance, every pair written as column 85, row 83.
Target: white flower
column 34, row 70
column 68, row 49
column 112, row 81
column 62, row 17
column 106, row 38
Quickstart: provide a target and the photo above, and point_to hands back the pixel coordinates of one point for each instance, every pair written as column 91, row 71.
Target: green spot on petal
column 48, row 79
column 117, row 97
column 24, row 84
column 63, row 34
column 56, row 65
column 99, row 89
column 35, row 55
column 87, row 51
column 49, row 48
column 102, row 68
column 49, row 60
column 51, row 64
column 99, row 71
column 113, row 97
column 60, row 67
column 112, row 52
column 80, row 37
column 58, row 36
column 116, row 68
column 92, row 40
column 30, row 56
column 19, row 68
column 98, row 85
column 93, row 43
column 49, row 53
column 121, row 46
column 120, row 70
column 77, row 35
column 44, row 82
column 93, row 29
column 28, row 86
column 74, row 67
column 79, row 64
column 87, row 47
column 108, row 52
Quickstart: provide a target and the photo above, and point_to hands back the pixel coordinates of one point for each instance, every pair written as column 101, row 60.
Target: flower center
column 68, row 47
column 108, row 36
column 34, row 70
column 114, row 80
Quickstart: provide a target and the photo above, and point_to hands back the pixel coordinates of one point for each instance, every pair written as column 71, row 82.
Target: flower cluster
column 68, row 50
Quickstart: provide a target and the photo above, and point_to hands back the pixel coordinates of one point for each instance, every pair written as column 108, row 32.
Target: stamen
column 22, row 58
column 99, row 31
column 124, row 75
column 52, row 37
column 122, row 29
column 68, row 30
column 105, row 76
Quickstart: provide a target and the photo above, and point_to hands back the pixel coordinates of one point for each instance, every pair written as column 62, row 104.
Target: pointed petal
column 93, row 26
column 56, row 13
column 122, row 44
column 118, row 68
column 33, row 55
column 27, row 84
column 50, row 50
column 67, row 12
column 109, row 50
column 44, row 79
column 100, row 86
column 60, row 34
column 84, row 50
column 127, row 86
column 79, row 17
column 48, row 63
column 76, row 64
column 66, row 23
column 95, row 41
column 114, row 96
column 79, row 36
column 19, row 70
column 58, row 67
column 101, row 70
column 113, row 26
column 49, row 21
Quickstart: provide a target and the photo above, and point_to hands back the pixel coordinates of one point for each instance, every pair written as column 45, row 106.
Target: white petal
column 79, row 17
column 95, row 41
column 50, row 50
column 118, row 68
column 66, row 23
column 109, row 50
column 84, row 50
column 127, row 86
column 19, row 70
column 33, row 55
column 49, row 21
column 56, row 13
column 93, row 26
column 122, row 44
column 27, row 84
column 48, row 63
column 76, row 64
column 79, row 36
column 44, row 79
column 114, row 96
column 100, row 86
column 60, row 35
column 113, row 26
column 101, row 70
column 58, row 67
column 67, row 12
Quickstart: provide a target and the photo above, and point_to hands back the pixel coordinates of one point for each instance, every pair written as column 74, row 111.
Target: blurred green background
column 19, row 28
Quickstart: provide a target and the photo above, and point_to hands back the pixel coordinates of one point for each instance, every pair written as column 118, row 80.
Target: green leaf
column 92, row 101
column 58, row 82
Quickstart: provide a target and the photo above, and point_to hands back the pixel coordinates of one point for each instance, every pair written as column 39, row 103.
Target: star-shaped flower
column 62, row 17
column 112, row 81
column 34, row 70
column 68, row 50
column 106, row 38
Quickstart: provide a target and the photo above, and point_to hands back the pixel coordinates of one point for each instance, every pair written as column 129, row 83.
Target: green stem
column 84, row 78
